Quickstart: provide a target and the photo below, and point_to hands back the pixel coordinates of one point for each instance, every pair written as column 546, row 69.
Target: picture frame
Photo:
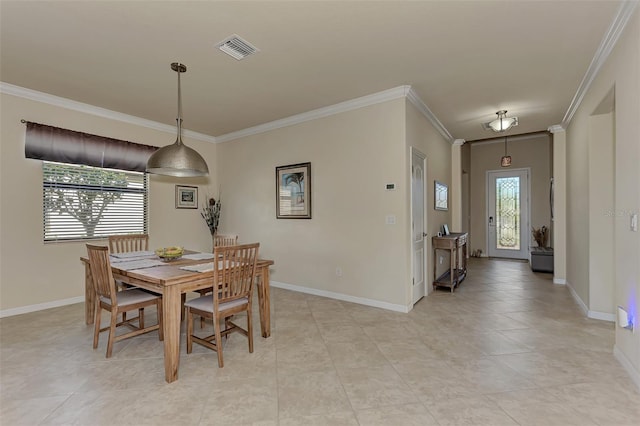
column 293, row 191
column 445, row 230
column 186, row 197
column 440, row 196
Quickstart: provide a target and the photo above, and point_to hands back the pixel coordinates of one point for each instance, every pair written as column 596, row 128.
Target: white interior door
column 508, row 213
column 418, row 223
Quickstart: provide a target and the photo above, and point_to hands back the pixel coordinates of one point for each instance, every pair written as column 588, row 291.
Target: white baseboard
column 340, row 296
column 578, row 300
column 560, row 281
column 603, row 316
column 40, row 306
column 626, row 364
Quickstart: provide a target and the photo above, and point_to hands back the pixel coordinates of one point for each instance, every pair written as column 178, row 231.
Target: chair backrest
column 126, row 243
column 234, row 272
column 103, row 282
column 220, row 240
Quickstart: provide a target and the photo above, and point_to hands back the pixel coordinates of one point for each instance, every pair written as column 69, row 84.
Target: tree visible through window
column 83, row 202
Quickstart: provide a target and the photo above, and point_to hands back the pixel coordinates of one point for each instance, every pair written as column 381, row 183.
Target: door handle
column 424, row 234
column 490, row 220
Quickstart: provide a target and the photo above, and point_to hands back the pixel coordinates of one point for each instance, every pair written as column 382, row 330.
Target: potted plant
column 541, row 236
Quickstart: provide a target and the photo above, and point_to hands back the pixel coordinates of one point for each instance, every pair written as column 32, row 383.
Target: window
column 85, row 202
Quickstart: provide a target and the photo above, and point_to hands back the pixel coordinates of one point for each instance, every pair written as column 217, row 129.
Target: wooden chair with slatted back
column 128, row 243
column 117, row 302
column 234, row 272
column 220, row 240
column 125, row 244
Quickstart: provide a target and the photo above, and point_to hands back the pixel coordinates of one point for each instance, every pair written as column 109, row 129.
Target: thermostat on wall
column 390, row 186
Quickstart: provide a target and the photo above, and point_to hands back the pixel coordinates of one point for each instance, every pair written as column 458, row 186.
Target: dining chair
column 234, row 272
column 220, row 240
column 117, row 302
column 124, row 244
column 127, row 243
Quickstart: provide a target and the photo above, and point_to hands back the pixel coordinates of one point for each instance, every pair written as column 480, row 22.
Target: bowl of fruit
column 169, row 253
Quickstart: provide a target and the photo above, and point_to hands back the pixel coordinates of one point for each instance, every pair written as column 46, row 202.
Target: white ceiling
column 464, row 59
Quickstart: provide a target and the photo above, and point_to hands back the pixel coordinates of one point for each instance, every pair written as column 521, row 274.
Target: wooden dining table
column 173, row 283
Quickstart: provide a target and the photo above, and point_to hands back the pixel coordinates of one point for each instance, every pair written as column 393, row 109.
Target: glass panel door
column 508, row 214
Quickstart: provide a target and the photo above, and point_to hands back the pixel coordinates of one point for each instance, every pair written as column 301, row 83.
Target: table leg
column 89, row 295
column 171, row 311
column 264, row 302
column 265, row 317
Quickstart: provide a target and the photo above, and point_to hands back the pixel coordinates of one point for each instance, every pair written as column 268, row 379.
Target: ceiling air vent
column 236, row 47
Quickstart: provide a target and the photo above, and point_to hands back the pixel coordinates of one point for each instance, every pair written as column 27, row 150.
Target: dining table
column 145, row 270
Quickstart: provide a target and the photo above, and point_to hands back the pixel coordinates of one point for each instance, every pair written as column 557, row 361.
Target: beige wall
column 601, row 206
column 559, row 207
column 422, row 136
column 622, row 72
column 32, row 272
column 533, row 152
column 353, row 155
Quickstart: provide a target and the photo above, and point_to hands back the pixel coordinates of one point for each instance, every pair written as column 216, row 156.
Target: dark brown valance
column 50, row 143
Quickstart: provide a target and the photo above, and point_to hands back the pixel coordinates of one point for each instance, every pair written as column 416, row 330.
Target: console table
column 456, row 244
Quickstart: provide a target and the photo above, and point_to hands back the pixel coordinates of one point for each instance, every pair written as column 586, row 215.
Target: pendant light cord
column 179, row 119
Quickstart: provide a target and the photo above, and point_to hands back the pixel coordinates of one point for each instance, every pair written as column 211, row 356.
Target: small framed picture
column 293, row 191
column 186, row 197
column 445, row 230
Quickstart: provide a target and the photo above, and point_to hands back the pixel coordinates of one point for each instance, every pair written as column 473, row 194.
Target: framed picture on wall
column 440, row 196
column 186, row 197
column 293, row 191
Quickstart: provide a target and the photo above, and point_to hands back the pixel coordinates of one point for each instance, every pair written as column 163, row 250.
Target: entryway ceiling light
column 502, row 123
column 177, row 159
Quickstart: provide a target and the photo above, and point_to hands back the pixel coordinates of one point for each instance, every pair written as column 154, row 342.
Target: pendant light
column 177, row 159
column 505, row 161
column 502, row 123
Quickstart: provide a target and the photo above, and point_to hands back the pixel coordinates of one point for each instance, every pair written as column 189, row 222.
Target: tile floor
column 506, row 348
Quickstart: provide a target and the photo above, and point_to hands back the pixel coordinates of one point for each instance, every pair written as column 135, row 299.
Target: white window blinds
column 84, row 202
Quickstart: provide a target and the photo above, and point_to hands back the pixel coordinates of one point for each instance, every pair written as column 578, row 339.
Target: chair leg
column 112, row 332
column 160, row 320
column 250, row 329
column 96, row 320
column 201, row 322
column 189, row 331
column 216, row 327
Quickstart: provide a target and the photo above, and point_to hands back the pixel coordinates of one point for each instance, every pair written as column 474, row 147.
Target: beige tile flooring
column 507, row 348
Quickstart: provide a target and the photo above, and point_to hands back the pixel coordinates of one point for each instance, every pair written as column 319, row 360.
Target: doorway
column 508, row 213
column 418, row 224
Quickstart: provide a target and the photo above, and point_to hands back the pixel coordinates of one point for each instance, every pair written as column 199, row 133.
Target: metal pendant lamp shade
column 177, row 159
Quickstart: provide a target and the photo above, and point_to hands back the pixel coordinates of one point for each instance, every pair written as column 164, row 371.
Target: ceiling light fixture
column 177, row 159
column 505, row 161
column 502, row 123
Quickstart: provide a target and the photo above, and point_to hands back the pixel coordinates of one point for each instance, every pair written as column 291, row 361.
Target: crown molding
column 556, row 128
column 57, row 101
column 363, row 101
column 413, row 97
column 607, row 44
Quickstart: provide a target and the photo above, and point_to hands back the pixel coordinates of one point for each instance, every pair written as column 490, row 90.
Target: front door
column 508, row 213
column 418, row 223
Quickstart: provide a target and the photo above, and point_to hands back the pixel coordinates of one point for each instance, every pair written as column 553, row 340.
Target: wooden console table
column 454, row 243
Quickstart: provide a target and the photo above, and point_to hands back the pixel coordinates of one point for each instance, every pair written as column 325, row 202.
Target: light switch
column 634, row 222
column 391, row 219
